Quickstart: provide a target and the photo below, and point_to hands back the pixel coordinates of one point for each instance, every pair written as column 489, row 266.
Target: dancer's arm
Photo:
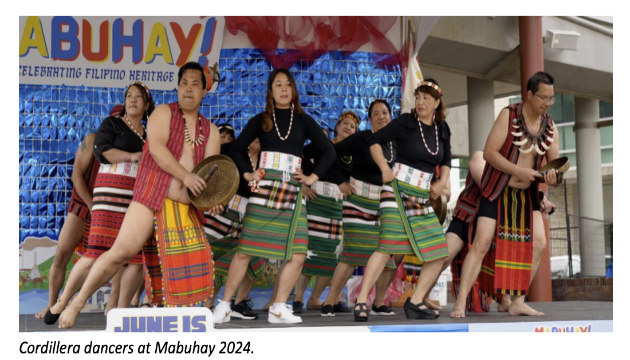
column 81, row 164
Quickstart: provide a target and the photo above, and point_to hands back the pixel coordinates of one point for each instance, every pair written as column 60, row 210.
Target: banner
column 115, row 51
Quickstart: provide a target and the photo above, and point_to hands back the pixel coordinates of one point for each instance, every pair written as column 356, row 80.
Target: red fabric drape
column 309, row 37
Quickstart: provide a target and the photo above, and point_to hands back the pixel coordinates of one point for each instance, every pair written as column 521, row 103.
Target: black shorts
column 459, row 228
column 489, row 208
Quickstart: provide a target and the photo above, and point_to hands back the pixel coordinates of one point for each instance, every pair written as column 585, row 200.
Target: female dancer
column 324, row 207
column 408, row 223
column 275, row 224
column 118, row 147
column 223, row 230
column 360, row 210
column 75, row 229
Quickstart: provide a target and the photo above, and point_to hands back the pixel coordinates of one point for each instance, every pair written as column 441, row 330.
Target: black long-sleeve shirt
column 115, row 134
column 337, row 173
column 363, row 166
column 304, row 127
column 410, row 148
column 243, row 186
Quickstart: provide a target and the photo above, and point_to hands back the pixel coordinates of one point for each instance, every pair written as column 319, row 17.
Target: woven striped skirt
column 360, row 223
column 178, row 260
column 408, row 223
column 325, row 233
column 222, row 232
column 275, row 224
column 113, row 190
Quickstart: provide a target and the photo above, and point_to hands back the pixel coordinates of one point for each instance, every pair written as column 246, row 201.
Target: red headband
column 432, row 86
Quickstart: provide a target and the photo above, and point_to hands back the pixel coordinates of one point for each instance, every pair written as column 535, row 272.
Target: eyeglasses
column 550, row 100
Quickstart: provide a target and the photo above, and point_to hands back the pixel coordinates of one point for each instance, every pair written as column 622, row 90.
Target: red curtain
column 312, row 36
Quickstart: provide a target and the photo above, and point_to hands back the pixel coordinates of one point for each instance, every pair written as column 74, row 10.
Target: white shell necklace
column 133, row 128
column 187, row 136
column 276, row 124
column 437, row 140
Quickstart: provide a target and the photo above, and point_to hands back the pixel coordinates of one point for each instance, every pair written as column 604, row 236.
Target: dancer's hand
column 436, row 189
column 309, row 194
column 527, row 175
column 194, row 183
column 551, row 177
column 215, row 210
column 346, row 189
column 388, row 175
column 308, row 180
column 135, row 157
column 546, row 206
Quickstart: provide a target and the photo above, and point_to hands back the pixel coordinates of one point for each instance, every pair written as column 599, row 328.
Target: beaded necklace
column 133, row 127
column 437, row 140
column 187, row 136
column 276, row 124
column 391, row 153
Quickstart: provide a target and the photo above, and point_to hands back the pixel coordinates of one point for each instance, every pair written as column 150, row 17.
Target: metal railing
column 565, row 244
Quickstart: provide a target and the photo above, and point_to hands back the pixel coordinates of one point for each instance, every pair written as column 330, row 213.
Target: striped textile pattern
column 186, row 270
column 493, row 181
column 325, row 232
column 360, row 229
column 275, row 224
column 222, row 232
column 514, row 242
column 468, row 201
column 77, row 206
column 153, row 182
column 113, row 190
column 408, row 224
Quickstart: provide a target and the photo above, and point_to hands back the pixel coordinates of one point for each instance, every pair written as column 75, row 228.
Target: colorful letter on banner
column 115, row 51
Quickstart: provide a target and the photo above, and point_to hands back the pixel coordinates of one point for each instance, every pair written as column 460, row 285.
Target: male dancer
column 508, row 211
column 164, row 175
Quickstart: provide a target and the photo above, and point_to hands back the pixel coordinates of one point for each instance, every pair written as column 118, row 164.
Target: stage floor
column 557, row 315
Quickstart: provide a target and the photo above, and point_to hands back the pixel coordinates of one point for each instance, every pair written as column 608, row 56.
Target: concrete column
column 589, row 183
column 480, row 112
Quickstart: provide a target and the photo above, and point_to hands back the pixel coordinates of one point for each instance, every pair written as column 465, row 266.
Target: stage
column 560, row 316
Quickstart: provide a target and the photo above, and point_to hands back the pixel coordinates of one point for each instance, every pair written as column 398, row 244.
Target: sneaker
column 328, row 310
column 222, row 312
column 297, row 307
column 341, row 307
column 413, row 311
column 382, row 310
column 243, row 310
column 281, row 314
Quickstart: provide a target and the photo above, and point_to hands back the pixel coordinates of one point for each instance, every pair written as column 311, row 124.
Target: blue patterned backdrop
column 54, row 119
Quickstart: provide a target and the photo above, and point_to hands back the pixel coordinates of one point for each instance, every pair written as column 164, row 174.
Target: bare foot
column 41, row 314
column 68, row 317
column 432, row 304
column 459, row 311
column 57, row 308
column 523, row 309
column 110, row 305
column 504, row 306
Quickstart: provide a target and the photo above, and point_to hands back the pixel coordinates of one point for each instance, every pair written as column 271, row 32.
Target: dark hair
column 346, row 114
column 146, row 96
column 192, row 66
column 540, row 77
column 225, row 127
column 374, row 102
column 267, row 125
column 440, row 111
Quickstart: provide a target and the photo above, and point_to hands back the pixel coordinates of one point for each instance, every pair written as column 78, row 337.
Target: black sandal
column 414, row 311
column 51, row 318
column 362, row 308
